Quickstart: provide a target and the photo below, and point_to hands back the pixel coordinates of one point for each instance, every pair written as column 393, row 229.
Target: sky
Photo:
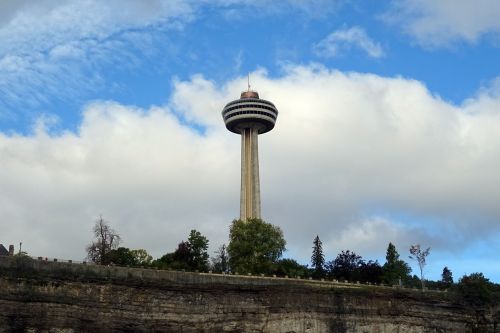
column 388, row 126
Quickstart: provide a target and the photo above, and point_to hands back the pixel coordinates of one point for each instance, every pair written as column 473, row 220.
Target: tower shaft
column 250, row 187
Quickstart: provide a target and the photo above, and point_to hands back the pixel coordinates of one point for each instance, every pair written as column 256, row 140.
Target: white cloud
column 41, row 25
column 441, row 23
column 235, row 9
column 368, row 235
column 346, row 148
column 345, row 38
column 55, row 50
column 143, row 171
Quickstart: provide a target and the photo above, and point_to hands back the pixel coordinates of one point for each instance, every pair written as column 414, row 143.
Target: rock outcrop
column 39, row 296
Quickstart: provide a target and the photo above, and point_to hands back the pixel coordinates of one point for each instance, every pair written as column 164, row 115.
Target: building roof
column 3, row 251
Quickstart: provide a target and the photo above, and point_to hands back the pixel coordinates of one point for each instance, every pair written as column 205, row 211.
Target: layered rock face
column 38, row 296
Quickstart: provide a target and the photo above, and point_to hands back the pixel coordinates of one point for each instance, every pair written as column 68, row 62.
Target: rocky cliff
column 40, row 296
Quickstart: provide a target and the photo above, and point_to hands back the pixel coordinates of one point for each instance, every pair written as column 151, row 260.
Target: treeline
column 349, row 266
column 256, row 247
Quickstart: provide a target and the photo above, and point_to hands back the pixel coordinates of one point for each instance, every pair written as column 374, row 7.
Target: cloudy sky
column 389, row 124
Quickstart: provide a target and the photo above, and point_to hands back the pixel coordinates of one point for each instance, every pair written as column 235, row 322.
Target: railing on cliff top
column 141, row 272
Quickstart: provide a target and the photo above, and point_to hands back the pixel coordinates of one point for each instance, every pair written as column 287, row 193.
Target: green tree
column 345, row 266
column 371, row 271
column 447, row 277
column 106, row 239
column 164, row 262
column 198, row 255
column 291, row 268
column 141, row 257
column 177, row 260
column 420, row 256
column 254, row 246
column 475, row 289
column 317, row 258
column 395, row 270
column 190, row 255
column 121, row 256
column 220, row 263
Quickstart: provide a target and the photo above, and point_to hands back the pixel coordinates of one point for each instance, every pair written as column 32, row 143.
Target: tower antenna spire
column 248, row 77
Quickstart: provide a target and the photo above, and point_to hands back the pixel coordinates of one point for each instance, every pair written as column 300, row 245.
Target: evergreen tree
column 395, row 270
column 392, row 254
column 447, row 277
column 318, row 259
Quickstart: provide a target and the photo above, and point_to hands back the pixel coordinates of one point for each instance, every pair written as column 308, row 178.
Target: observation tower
column 249, row 116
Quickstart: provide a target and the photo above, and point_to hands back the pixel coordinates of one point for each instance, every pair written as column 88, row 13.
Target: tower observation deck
column 249, row 116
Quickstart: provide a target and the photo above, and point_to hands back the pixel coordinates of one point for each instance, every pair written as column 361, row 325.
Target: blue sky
column 388, row 125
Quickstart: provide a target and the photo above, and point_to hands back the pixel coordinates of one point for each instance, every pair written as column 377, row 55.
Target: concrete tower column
column 250, row 184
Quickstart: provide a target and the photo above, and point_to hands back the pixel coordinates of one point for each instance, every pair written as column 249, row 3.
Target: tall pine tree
column 447, row 277
column 318, row 259
column 395, row 270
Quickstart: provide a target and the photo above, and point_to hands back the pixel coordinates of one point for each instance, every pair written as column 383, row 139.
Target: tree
column 475, row 289
column 447, row 277
column 164, row 262
column 190, row 255
column 198, row 255
column 141, row 257
column 290, row 267
column 121, row 256
column 345, row 266
column 395, row 270
column 392, row 254
column 371, row 271
column 182, row 253
column 318, row 259
column 420, row 256
column 178, row 260
column 106, row 240
column 254, row 246
column 220, row 263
